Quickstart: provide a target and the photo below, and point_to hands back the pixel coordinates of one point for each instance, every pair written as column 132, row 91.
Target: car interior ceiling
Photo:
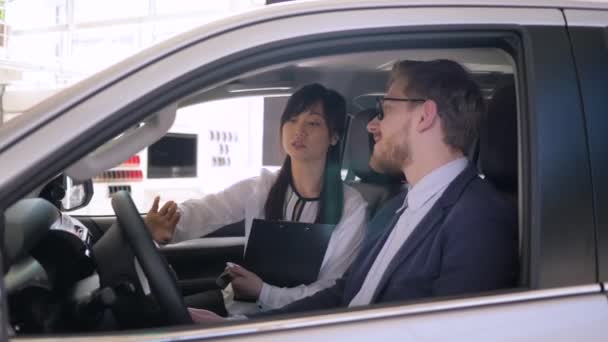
column 358, row 76
column 353, row 74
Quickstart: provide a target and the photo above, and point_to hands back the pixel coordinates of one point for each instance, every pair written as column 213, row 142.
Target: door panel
column 197, row 262
column 577, row 318
column 562, row 314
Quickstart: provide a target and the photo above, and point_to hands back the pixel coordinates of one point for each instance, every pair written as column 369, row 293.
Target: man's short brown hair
column 460, row 103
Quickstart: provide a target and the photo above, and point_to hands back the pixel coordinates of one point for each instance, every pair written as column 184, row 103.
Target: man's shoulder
column 481, row 202
column 481, row 192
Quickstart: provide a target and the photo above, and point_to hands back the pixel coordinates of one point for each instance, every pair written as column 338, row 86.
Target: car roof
column 353, row 4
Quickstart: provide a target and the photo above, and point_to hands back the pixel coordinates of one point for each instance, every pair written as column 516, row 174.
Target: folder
column 287, row 254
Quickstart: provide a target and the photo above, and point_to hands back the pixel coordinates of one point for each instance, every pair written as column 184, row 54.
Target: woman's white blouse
column 246, row 200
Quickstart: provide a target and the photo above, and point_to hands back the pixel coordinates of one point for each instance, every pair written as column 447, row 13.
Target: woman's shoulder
column 262, row 183
column 267, row 177
column 255, row 184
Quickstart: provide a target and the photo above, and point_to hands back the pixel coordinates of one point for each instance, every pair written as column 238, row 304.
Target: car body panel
column 589, row 34
column 504, row 317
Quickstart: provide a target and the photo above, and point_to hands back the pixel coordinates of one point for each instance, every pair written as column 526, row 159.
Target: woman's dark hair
column 332, row 196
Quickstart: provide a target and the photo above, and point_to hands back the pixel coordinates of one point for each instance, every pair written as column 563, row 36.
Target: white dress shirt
column 246, row 200
column 420, row 199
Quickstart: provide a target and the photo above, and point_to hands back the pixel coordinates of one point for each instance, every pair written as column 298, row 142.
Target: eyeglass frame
column 380, row 99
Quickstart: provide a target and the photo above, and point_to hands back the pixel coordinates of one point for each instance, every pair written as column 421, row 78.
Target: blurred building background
column 46, row 45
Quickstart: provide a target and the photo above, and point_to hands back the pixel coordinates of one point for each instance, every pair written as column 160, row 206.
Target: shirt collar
column 433, row 183
column 294, row 191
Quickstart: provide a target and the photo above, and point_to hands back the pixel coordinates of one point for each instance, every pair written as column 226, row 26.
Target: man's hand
column 161, row 223
column 246, row 284
column 204, row 316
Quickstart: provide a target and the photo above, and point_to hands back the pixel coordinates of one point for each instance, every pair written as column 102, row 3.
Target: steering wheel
column 155, row 267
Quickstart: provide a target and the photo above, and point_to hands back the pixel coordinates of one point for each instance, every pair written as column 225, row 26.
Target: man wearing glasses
column 452, row 233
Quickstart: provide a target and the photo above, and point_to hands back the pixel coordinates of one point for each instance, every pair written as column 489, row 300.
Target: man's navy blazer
column 466, row 243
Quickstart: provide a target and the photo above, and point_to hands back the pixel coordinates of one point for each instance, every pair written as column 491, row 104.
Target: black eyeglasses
column 380, row 100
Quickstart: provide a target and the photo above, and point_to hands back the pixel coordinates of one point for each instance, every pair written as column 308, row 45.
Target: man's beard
column 391, row 159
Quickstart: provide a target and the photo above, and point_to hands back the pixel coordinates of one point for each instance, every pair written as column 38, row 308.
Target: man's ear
column 428, row 117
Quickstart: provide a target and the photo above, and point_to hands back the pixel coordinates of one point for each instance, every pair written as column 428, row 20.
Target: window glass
column 215, row 144
column 209, row 147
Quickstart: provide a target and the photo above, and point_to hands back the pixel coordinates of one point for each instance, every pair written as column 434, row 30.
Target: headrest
column 498, row 140
column 359, row 149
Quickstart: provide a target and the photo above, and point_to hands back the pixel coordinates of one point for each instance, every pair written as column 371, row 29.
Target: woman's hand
column 161, row 223
column 246, row 284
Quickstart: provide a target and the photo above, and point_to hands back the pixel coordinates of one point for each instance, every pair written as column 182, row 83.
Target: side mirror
column 77, row 194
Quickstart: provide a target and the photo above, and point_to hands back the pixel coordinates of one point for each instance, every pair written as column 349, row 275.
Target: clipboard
column 287, row 254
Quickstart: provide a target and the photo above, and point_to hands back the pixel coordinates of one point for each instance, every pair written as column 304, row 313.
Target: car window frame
column 588, row 32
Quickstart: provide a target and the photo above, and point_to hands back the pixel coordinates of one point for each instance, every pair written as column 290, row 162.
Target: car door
column 560, row 297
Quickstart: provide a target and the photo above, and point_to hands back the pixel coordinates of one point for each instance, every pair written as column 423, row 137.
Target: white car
column 554, row 54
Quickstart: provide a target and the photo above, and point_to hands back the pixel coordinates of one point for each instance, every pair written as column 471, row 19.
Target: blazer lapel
column 388, row 223
column 377, row 247
column 431, row 221
column 428, row 223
